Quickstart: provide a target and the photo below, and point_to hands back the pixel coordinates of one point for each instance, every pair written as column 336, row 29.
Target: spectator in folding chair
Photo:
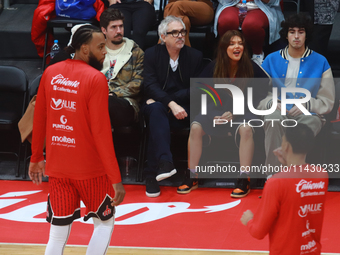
column 296, row 67
column 123, row 67
column 168, row 68
column 232, row 62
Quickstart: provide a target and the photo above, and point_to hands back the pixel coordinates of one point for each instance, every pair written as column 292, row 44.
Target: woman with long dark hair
column 232, row 62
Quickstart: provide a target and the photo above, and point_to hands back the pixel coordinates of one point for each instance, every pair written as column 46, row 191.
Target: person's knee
column 156, row 108
column 196, row 130
column 273, row 120
column 246, row 132
column 226, row 23
column 177, row 9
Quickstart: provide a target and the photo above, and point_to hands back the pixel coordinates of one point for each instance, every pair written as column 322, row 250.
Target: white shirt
column 292, row 72
column 174, row 64
column 108, row 66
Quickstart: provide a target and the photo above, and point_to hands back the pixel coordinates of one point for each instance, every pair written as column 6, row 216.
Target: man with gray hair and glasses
column 168, row 68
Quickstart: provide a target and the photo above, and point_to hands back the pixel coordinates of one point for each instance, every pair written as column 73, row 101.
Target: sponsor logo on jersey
column 58, row 104
column 63, row 141
column 306, row 233
column 63, row 125
column 309, row 208
column 304, row 185
column 61, row 80
column 308, row 246
column 107, row 211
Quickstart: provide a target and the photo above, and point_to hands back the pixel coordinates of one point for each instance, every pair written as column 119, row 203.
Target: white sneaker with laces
column 258, row 58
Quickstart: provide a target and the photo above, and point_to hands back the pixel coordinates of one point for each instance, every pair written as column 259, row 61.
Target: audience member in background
column 293, row 202
column 290, row 68
column 123, row 67
column 232, row 62
column 81, row 162
column 139, row 17
column 193, row 13
column 262, row 15
column 323, row 14
column 168, row 68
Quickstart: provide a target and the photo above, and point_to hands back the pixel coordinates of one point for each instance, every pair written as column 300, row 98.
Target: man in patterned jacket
column 123, row 67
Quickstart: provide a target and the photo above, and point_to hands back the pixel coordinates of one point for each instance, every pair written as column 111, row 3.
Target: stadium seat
column 13, row 102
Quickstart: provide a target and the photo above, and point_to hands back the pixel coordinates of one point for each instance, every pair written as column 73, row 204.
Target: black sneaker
column 187, row 185
column 242, row 188
column 165, row 170
column 152, row 187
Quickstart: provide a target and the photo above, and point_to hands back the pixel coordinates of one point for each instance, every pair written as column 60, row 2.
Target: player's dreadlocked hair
column 82, row 36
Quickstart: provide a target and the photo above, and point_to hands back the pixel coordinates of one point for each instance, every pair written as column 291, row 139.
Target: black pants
column 321, row 33
column 121, row 112
column 159, row 123
column 139, row 18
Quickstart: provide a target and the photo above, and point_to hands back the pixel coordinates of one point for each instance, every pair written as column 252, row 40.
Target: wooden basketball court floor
column 24, row 231
column 19, row 249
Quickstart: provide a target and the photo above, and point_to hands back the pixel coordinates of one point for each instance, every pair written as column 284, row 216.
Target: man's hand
column 278, row 153
column 295, row 111
column 247, row 216
column 119, row 194
column 36, row 171
column 225, row 116
column 150, row 101
column 113, row 2
column 177, row 110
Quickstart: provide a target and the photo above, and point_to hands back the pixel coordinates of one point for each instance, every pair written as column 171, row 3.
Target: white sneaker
column 258, row 58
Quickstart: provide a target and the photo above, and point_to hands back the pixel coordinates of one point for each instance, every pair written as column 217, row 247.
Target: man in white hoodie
column 123, row 67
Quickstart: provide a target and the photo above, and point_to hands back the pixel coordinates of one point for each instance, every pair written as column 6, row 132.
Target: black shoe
column 187, row 185
column 152, row 187
column 242, row 188
column 165, row 170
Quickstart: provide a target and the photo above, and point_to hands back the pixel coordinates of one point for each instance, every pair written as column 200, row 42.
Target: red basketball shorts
column 63, row 205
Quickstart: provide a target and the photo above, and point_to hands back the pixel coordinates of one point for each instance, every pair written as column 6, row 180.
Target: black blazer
column 156, row 72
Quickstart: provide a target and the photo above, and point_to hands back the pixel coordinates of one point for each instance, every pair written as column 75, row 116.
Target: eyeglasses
column 176, row 33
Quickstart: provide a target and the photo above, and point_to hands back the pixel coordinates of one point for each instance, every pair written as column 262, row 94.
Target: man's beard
column 117, row 42
column 94, row 62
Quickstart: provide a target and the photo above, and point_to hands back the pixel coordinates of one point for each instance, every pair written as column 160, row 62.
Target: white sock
column 101, row 236
column 58, row 239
